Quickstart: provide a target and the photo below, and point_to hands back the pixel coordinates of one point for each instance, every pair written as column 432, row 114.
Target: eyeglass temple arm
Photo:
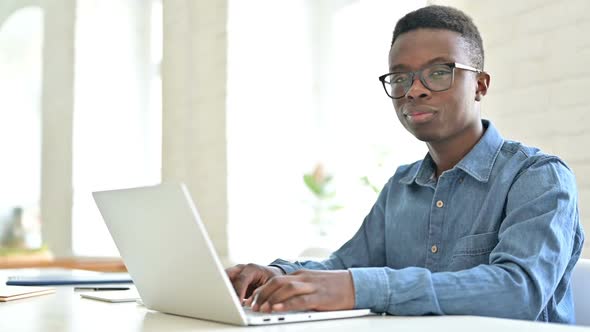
column 466, row 67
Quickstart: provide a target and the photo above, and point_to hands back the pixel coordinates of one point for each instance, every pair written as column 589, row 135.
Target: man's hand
column 246, row 278
column 305, row 290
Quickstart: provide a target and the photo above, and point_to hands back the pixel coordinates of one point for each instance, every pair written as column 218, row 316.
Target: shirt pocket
column 473, row 250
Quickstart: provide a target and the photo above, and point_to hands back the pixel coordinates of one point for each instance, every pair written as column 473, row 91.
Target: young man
column 481, row 226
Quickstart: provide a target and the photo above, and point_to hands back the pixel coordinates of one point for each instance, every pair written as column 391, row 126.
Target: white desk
column 66, row 311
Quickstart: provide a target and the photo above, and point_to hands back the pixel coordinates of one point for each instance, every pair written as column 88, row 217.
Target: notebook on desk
column 54, row 277
column 10, row 293
column 112, row 296
column 174, row 266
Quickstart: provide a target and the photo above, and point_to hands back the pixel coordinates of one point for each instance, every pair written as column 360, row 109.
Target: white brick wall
column 194, row 122
column 538, row 54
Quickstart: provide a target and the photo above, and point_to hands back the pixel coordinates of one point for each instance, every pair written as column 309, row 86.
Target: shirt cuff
column 286, row 266
column 371, row 288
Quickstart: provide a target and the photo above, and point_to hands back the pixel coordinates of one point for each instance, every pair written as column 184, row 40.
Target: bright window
column 303, row 90
column 117, row 116
column 21, row 41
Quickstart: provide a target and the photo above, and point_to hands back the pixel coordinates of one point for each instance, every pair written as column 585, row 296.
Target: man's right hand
column 247, row 277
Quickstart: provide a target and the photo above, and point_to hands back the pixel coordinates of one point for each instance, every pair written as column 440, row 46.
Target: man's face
column 435, row 116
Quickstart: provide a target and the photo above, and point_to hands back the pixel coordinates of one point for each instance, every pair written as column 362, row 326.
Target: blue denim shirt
column 497, row 235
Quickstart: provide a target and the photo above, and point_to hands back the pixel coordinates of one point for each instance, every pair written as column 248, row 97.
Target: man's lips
column 410, row 109
column 419, row 116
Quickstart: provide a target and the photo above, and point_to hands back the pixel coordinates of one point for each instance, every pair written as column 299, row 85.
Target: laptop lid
column 167, row 252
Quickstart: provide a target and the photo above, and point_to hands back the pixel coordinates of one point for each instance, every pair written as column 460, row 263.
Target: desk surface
column 66, row 311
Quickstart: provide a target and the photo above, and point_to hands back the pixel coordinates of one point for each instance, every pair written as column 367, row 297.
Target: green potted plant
column 321, row 187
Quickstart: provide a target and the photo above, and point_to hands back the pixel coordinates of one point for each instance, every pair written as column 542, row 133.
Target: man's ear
column 483, row 84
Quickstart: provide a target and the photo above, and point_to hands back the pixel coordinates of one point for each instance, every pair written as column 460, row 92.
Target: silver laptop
column 172, row 262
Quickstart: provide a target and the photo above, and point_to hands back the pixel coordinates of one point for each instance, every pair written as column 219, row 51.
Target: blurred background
column 270, row 111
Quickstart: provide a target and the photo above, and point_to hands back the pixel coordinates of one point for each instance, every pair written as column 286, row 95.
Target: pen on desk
column 100, row 288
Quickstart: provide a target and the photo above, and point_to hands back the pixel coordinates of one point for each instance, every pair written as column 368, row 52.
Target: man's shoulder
column 512, row 147
column 529, row 156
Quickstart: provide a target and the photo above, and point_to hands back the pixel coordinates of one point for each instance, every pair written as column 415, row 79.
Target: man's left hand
column 305, row 290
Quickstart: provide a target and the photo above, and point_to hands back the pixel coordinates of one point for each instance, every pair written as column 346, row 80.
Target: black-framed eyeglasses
column 437, row 77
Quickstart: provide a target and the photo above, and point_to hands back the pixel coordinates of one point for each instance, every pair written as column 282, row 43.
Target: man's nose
column 417, row 90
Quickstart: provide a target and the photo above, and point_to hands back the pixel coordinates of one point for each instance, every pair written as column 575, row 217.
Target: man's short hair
column 448, row 18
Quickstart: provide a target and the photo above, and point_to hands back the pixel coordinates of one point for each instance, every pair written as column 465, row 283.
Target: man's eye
column 439, row 74
column 399, row 79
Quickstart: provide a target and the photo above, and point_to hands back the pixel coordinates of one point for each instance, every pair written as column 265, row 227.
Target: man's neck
column 448, row 153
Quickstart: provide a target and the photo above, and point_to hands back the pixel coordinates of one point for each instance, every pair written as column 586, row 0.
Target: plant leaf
column 313, row 186
column 335, row 207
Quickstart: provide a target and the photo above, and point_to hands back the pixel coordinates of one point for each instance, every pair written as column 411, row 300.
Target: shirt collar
column 478, row 163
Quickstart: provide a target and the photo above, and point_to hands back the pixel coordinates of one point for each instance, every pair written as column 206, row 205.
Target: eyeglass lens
column 434, row 78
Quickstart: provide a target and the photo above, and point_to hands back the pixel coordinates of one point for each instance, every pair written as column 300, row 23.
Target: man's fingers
column 290, row 290
column 263, row 292
column 297, row 303
column 321, row 290
column 234, row 271
column 280, row 291
column 246, row 278
column 250, row 277
column 241, row 283
column 250, row 301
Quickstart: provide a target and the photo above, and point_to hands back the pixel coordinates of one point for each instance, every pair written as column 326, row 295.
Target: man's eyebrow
column 403, row 67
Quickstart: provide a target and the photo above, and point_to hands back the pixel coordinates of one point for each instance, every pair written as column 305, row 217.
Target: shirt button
column 440, row 204
column 434, row 249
